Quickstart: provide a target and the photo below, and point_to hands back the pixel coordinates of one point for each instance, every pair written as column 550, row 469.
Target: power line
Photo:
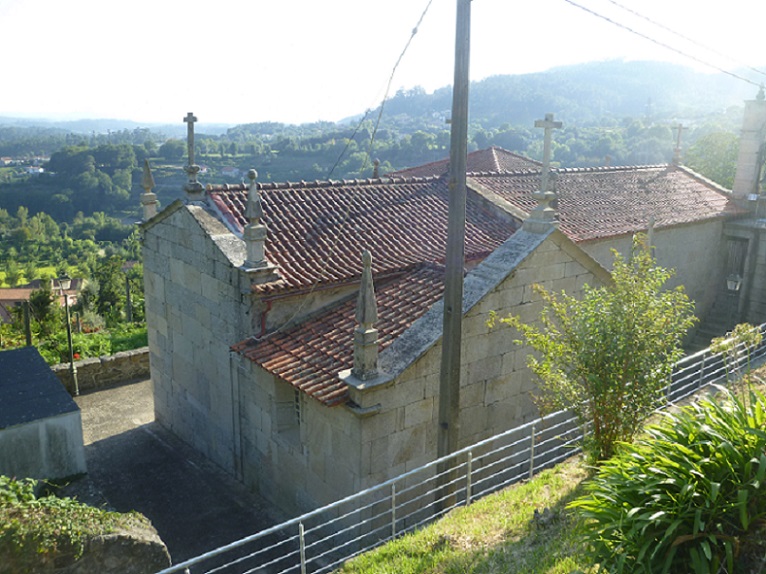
column 687, row 38
column 660, row 43
column 336, row 239
column 383, row 102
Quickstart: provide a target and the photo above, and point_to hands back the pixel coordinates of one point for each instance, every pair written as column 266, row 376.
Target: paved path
column 138, row 465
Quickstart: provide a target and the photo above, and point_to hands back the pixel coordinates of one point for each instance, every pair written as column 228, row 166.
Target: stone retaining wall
column 107, row 370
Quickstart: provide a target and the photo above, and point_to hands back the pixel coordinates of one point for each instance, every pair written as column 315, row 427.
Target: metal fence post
column 702, row 372
column 303, row 547
column 532, row 452
column 468, row 472
column 393, row 511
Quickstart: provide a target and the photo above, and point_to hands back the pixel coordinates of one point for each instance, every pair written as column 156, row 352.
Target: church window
column 289, row 413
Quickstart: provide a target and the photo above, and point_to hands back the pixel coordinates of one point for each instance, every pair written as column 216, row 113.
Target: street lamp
column 65, row 282
column 734, row 282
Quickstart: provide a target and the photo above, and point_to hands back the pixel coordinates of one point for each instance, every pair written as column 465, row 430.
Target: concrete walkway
column 137, row 465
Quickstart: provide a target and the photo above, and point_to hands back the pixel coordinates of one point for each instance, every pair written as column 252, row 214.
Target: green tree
column 30, row 271
column 607, row 357
column 111, row 293
column 172, row 150
column 43, row 308
column 12, row 273
column 715, row 156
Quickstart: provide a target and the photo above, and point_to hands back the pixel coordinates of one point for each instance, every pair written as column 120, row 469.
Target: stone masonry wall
column 695, row 252
column 107, row 370
column 194, row 313
column 296, row 468
column 495, row 382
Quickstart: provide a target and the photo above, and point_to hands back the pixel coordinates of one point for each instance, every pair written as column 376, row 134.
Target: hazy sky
column 239, row 61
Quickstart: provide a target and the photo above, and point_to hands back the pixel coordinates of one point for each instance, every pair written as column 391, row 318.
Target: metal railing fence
column 322, row 540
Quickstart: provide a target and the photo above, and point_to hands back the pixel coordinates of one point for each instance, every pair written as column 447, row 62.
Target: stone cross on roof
column 544, row 215
column 365, row 335
column 194, row 190
column 548, row 125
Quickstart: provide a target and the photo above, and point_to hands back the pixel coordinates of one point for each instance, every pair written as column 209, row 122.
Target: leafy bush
column 689, row 496
column 607, row 357
column 128, row 338
column 85, row 345
column 32, row 527
column 55, row 349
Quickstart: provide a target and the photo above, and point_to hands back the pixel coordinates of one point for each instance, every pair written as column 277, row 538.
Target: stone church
column 295, row 328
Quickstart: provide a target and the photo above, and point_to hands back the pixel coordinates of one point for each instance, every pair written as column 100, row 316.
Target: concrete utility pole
column 677, row 151
column 449, row 384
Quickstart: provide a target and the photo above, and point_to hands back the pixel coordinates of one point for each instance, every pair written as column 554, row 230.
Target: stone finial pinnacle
column 147, row 181
column 366, row 308
column 254, row 210
column 255, row 234
column 366, row 336
column 148, row 198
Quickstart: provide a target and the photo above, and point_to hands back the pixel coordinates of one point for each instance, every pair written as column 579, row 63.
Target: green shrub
column 128, row 338
column 689, row 496
column 55, row 349
column 607, row 356
column 32, row 527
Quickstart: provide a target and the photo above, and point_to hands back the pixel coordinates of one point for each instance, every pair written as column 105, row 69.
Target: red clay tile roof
column 604, row 202
column 311, row 354
column 493, row 159
column 401, row 221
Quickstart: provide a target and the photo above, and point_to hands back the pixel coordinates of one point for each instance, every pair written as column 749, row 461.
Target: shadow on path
column 192, row 503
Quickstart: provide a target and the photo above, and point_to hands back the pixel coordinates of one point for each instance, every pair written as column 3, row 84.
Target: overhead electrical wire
column 687, row 38
column 660, row 43
column 383, row 102
column 365, row 163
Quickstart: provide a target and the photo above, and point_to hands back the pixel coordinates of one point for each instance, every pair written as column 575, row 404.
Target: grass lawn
column 497, row 534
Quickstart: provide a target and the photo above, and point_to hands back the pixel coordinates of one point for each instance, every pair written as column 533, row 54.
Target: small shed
column 40, row 424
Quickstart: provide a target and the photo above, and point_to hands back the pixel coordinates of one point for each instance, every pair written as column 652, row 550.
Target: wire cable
column 370, row 146
column 368, row 154
column 687, row 38
column 660, row 43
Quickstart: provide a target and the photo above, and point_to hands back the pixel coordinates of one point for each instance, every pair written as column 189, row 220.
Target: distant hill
column 102, row 126
column 586, row 94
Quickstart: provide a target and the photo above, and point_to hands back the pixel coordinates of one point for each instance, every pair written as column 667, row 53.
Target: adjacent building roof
column 402, row 221
column 29, row 390
column 595, row 203
column 493, row 159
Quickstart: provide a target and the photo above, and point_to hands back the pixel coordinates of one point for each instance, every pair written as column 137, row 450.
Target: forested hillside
column 613, row 113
